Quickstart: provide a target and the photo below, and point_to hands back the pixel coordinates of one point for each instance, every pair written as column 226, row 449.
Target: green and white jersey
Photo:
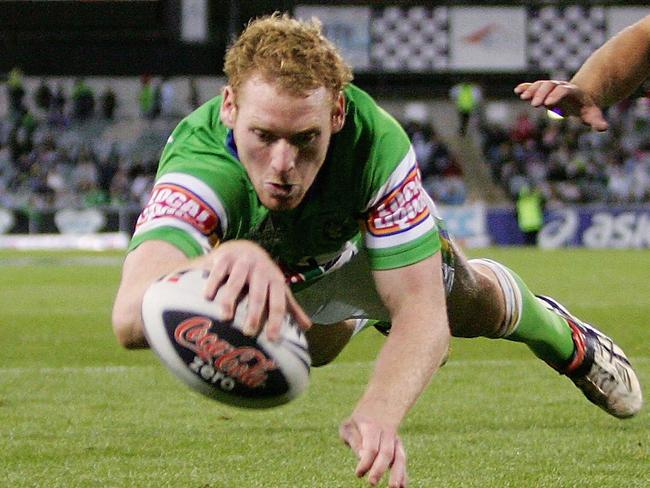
column 368, row 193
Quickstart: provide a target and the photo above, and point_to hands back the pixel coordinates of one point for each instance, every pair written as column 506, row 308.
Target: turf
column 77, row 411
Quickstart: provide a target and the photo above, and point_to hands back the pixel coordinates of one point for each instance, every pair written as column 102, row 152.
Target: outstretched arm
column 142, row 266
column 233, row 265
column 619, row 66
column 417, row 343
column 610, row 74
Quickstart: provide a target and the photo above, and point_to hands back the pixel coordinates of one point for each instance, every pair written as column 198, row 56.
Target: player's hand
column 564, row 98
column 240, row 265
column 378, row 448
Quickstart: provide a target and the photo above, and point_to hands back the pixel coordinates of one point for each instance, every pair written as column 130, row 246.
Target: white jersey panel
column 200, row 189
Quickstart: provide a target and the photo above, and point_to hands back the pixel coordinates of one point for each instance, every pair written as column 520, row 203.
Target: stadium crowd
column 442, row 173
column 64, row 150
column 570, row 163
column 60, row 151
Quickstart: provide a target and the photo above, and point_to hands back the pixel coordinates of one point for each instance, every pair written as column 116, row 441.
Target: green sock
column 546, row 333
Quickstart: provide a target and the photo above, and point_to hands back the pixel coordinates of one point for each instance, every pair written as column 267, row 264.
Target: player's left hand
column 239, row 265
column 564, row 97
column 378, row 448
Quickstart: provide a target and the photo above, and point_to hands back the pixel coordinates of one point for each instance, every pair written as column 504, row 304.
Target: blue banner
column 593, row 227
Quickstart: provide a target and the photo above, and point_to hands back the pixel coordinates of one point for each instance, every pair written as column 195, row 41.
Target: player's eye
column 304, row 139
column 265, row 137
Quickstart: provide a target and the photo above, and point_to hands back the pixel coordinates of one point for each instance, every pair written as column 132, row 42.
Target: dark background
column 131, row 38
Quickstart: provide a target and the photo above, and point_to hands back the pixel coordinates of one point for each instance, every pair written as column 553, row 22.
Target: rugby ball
column 213, row 356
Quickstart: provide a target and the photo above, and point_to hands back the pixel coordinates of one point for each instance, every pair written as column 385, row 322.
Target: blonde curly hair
column 292, row 54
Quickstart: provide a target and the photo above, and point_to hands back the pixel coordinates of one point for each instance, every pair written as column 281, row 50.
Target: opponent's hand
column 378, row 448
column 564, row 98
column 236, row 265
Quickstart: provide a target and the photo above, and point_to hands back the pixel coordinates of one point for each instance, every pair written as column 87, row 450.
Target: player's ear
column 228, row 111
column 338, row 113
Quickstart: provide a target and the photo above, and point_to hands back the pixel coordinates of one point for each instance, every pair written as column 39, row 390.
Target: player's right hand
column 239, row 265
column 378, row 448
column 564, row 98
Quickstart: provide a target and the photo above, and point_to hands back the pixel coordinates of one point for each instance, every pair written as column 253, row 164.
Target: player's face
column 281, row 139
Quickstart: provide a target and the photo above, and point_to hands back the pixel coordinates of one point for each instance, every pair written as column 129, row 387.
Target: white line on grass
column 52, row 260
column 124, row 369
column 477, row 362
column 75, row 369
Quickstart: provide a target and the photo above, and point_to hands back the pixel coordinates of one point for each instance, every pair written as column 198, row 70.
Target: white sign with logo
column 72, row 221
column 7, row 220
column 625, row 230
column 488, row 38
column 466, row 224
column 194, row 21
column 618, row 18
column 597, row 229
column 347, row 27
column 560, row 231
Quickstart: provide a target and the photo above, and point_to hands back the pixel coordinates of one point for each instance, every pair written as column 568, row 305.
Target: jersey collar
column 230, row 143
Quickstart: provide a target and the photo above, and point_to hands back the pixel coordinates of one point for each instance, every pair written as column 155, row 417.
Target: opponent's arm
column 415, row 348
column 619, row 66
column 233, row 266
column 610, row 74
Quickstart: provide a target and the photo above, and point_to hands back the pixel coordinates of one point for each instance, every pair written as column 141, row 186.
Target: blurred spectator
column 524, row 129
column 619, row 181
column 43, row 96
column 85, row 174
column 193, row 98
column 467, row 98
column 21, row 135
column 108, row 103
column 141, row 184
column 167, row 97
column 57, row 116
column 120, row 187
column 58, row 181
column 15, row 90
column 107, row 168
column 442, row 176
column 530, row 213
column 149, row 98
column 83, row 100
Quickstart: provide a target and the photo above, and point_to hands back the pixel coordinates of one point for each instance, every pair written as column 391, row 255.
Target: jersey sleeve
column 399, row 225
column 197, row 186
column 183, row 211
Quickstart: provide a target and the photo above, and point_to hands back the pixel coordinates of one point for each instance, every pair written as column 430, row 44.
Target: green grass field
column 77, row 411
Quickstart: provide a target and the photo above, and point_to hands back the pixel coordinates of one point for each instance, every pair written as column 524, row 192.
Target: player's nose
column 283, row 156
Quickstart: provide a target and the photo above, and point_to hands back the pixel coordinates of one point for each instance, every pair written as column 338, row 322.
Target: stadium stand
column 570, row 163
column 442, row 173
column 71, row 143
column 60, row 149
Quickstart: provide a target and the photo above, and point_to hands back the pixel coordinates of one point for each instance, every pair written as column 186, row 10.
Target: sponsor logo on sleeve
column 168, row 200
column 403, row 208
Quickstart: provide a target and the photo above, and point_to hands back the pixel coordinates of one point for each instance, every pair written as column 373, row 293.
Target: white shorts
column 348, row 292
